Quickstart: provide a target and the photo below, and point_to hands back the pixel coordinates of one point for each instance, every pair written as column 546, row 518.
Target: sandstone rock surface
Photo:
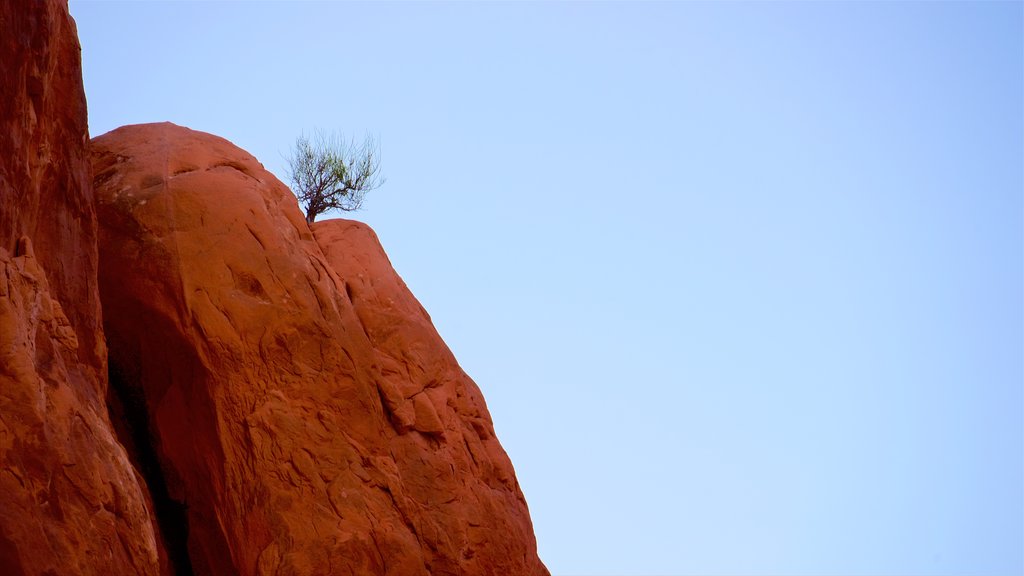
column 303, row 414
column 70, row 502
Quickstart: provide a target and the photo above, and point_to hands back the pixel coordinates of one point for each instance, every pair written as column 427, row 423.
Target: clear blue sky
column 743, row 284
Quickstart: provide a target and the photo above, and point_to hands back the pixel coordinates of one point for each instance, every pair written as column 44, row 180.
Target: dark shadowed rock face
column 70, row 502
column 302, row 414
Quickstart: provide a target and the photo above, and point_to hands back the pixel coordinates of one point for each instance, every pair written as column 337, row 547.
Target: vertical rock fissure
column 127, row 407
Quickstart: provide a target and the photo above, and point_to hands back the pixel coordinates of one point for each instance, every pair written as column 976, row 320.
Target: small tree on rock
column 330, row 172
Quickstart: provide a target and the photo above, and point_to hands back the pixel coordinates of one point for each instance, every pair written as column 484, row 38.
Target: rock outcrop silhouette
column 70, row 502
column 301, row 414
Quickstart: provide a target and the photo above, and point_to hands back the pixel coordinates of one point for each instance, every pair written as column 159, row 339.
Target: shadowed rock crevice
column 162, row 410
column 127, row 405
column 9, row 558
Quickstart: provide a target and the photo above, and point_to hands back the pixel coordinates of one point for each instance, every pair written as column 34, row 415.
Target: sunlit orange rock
column 70, row 502
column 305, row 415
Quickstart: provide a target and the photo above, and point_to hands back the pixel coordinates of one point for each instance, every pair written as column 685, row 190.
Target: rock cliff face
column 275, row 402
column 70, row 502
column 287, row 399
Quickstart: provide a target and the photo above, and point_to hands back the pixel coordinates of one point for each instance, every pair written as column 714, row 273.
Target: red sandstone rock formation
column 70, row 502
column 300, row 409
column 282, row 395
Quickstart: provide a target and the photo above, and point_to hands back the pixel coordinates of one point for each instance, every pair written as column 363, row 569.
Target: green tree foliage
column 329, row 172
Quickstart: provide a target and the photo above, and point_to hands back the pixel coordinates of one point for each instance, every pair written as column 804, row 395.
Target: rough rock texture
column 70, row 502
column 305, row 415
